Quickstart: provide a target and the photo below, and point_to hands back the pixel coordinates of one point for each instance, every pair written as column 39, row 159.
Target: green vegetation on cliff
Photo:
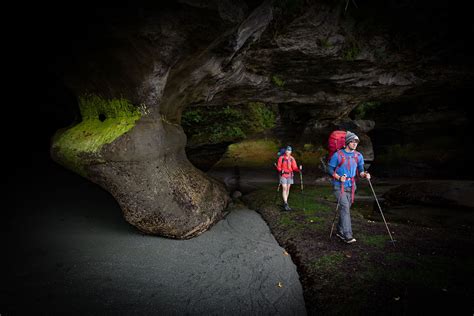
column 351, row 50
column 365, row 110
column 102, row 122
column 212, row 124
column 277, row 81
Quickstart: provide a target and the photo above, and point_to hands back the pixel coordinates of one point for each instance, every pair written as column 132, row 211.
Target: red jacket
column 287, row 165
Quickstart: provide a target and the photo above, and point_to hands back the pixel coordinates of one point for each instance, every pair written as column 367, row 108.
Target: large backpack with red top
column 336, row 141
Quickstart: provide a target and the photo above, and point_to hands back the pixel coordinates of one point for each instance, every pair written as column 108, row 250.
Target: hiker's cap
column 288, row 148
column 351, row 137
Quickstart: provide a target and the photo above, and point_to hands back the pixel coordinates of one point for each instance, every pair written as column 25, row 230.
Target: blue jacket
column 344, row 169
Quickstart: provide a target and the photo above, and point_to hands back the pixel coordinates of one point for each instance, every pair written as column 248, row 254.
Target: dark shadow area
column 67, row 250
column 45, row 187
column 423, row 135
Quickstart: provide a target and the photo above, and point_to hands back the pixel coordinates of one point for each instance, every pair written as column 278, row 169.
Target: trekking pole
column 381, row 213
column 301, row 182
column 278, row 188
column 335, row 213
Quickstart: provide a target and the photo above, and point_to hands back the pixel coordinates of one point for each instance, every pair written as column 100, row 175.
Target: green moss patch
column 103, row 121
column 378, row 241
column 277, row 81
column 351, row 50
column 328, row 263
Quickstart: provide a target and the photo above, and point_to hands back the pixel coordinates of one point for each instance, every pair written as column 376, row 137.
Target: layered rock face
column 140, row 69
column 329, row 68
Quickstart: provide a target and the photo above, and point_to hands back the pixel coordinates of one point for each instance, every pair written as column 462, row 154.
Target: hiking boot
column 350, row 240
column 286, row 207
column 344, row 239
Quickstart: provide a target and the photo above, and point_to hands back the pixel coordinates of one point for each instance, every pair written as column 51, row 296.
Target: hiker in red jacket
column 286, row 166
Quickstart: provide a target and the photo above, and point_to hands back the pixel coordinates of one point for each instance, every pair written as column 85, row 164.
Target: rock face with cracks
column 138, row 71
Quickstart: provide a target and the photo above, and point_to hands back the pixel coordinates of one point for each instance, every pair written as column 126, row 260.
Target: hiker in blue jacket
column 343, row 166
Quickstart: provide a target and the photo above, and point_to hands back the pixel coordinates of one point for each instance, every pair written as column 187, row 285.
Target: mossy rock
column 103, row 121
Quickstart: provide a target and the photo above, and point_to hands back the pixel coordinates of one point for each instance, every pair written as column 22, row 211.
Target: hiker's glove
column 366, row 175
column 343, row 178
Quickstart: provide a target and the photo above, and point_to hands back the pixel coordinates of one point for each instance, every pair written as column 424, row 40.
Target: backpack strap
column 342, row 158
column 356, row 158
column 288, row 164
column 280, row 161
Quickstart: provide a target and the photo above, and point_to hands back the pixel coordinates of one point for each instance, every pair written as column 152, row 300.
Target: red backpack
column 336, row 141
